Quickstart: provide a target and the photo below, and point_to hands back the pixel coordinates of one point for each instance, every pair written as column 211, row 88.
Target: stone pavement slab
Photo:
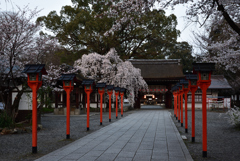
column 146, row 135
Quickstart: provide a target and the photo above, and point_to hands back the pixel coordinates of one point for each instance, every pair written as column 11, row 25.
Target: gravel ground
column 52, row 136
column 223, row 140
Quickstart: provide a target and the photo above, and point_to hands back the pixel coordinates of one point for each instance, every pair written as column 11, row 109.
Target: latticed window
column 198, row 98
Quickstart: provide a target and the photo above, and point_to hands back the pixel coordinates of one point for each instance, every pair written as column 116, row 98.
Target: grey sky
column 50, row 5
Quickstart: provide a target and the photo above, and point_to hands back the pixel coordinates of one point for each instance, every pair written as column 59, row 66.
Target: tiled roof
column 87, row 82
column 34, row 68
column 219, row 82
column 101, row 85
column 65, row 77
column 158, row 68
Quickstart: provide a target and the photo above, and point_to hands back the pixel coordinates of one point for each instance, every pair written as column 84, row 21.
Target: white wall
column 25, row 102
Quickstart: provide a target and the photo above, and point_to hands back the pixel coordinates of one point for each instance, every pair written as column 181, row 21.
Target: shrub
column 47, row 110
column 5, row 120
column 234, row 116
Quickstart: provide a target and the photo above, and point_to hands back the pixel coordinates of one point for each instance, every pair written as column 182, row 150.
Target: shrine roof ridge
column 155, row 61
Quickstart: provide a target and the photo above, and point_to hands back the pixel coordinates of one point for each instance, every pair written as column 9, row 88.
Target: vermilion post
column 101, row 95
column 193, row 89
column 110, row 104
column 121, row 94
column 181, row 108
column 68, row 90
column 186, row 114
column 185, row 91
column 34, row 79
column 34, row 118
column 88, row 90
column 204, row 86
column 116, row 94
column 88, row 110
column 34, row 85
column 101, row 92
column 204, row 71
column 176, row 105
column 68, row 114
column 179, row 95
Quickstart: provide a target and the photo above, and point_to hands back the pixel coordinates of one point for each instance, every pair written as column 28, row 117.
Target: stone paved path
column 142, row 136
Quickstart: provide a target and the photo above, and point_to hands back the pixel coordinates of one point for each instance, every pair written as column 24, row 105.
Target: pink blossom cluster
column 112, row 70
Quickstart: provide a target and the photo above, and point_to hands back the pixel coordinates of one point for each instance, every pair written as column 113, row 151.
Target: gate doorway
column 148, row 107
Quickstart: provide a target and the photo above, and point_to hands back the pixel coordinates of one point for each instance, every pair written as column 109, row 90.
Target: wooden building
column 160, row 75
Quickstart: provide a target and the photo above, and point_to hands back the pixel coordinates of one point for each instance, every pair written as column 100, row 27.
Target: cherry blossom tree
column 112, row 70
column 20, row 44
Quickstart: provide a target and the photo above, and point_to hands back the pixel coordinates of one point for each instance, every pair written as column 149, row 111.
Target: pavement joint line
column 116, row 140
column 182, row 144
column 76, row 141
column 129, row 139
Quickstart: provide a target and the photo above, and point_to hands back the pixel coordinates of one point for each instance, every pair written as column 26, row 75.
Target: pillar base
column 204, row 154
column 67, row 136
column 181, row 124
column 100, row 123
column 109, row 120
column 34, row 150
column 116, row 117
column 178, row 120
column 186, row 130
column 193, row 139
column 121, row 115
column 87, row 128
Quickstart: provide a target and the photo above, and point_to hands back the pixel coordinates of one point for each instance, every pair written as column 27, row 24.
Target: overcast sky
column 50, row 5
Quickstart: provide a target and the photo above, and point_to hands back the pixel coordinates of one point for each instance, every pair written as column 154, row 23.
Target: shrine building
column 160, row 75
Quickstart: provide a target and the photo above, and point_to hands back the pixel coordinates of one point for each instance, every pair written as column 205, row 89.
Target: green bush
column 47, row 110
column 5, row 120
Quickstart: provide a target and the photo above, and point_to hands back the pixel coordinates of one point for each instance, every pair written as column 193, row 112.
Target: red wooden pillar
column 116, row 94
column 110, row 104
column 101, row 92
column 176, row 104
column 88, row 90
column 175, row 107
column 179, row 95
column 181, row 104
column 193, row 89
column 204, row 71
column 186, row 110
column 192, row 81
column 88, row 108
column 68, row 90
column 204, row 86
column 68, row 115
column 34, row 72
column 34, row 87
column 121, row 94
